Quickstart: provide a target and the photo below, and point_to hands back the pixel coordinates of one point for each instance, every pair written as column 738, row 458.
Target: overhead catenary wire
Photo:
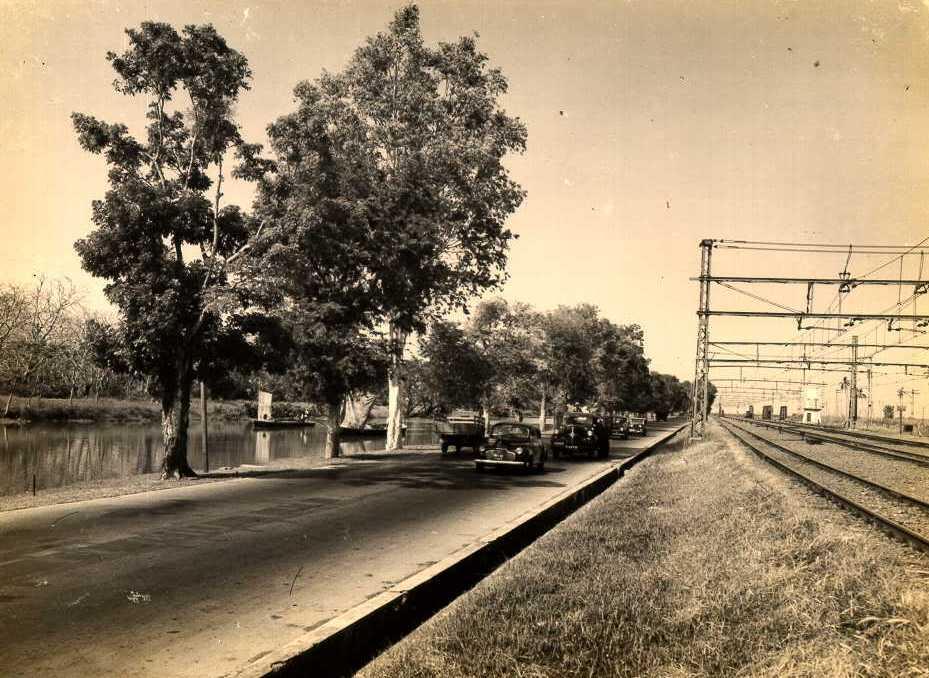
column 869, row 330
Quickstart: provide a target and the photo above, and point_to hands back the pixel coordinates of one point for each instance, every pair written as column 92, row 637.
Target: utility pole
column 206, row 449
column 913, row 393
column 900, row 407
column 853, row 387
column 702, row 367
column 870, row 398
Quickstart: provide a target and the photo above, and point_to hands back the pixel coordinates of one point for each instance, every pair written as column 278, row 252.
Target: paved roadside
column 201, row 580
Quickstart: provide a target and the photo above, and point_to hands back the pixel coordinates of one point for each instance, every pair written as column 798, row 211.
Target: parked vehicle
column 638, row 425
column 581, row 432
column 460, row 430
column 620, row 427
column 514, row 445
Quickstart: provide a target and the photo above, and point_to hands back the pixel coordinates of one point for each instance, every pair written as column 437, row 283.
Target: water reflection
column 60, row 454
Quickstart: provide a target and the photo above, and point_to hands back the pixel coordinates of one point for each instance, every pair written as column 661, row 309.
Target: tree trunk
column 395, row 389
column 175, row 417
column 542, row 412
column 486, row 411
column 333, row 436
column 6, row 409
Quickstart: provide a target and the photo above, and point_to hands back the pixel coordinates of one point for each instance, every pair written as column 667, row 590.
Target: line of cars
column 520, row 445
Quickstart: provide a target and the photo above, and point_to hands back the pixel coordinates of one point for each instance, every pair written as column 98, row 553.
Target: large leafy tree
column 621, row 368
column 571, row 336
column 316, row 258
column 453, row 371
column 505, row 336
column 162, row 238
column 424, row 132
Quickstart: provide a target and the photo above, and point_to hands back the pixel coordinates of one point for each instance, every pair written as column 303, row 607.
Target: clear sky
column 651, row 125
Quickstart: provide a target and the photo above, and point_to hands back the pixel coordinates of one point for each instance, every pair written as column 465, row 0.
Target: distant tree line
column 513, row 359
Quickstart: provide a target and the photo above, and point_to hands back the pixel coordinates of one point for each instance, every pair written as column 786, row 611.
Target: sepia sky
column 651, row 125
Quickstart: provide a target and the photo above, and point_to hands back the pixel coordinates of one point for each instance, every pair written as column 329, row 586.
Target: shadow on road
column 434, row 474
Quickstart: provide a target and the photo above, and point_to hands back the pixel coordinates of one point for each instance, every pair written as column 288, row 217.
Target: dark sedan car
column 581, row 433
column 638, row 425
column 514, row 445
column 620, row 427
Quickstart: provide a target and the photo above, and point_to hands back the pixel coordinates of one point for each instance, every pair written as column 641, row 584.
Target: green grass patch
column 703, row 561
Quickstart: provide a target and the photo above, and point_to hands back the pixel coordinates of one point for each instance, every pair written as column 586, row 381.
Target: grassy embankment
column 117, row 410
column 702, row 561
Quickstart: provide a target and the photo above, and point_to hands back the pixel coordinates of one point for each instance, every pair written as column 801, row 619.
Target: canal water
column 61, row 454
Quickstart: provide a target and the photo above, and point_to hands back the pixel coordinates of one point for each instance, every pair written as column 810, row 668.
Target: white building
column 812, row 405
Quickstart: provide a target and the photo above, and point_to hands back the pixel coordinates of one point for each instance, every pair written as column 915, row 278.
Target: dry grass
column 702, row 562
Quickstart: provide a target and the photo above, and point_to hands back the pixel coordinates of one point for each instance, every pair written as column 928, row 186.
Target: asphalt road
column 199, row 580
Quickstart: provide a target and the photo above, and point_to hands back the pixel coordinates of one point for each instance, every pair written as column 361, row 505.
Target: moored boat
column 282, row 423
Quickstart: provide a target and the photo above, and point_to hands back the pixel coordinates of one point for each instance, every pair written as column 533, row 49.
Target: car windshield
column 580, row 419
column 510, row 430
column 638, row 420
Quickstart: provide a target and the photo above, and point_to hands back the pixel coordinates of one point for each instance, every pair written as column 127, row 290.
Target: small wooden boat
column 346, row 432
column 282, row 423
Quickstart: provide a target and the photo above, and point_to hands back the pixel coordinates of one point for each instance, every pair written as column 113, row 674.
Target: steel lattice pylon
column 702, row 368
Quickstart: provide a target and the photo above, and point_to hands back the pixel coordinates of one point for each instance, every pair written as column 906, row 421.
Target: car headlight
column 519, row 451
column 590, row 433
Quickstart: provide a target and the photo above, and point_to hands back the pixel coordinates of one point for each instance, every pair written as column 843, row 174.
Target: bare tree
column 35, row 331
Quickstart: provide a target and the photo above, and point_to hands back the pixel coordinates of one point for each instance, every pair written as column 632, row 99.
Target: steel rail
column 914, row 457
column 916, row 501
column 915, row 539
column 875, row 436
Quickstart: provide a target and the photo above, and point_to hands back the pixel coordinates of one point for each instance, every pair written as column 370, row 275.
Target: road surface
column 197, row 581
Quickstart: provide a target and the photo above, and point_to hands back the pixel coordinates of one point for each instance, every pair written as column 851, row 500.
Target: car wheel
column 444, row 448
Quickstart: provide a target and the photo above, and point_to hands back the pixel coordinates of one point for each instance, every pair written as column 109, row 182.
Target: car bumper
column 574, row 447
column 498, row 462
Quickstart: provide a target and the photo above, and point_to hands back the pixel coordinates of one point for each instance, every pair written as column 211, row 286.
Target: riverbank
column 125, row 411
column 152, row 482
column 703, row 561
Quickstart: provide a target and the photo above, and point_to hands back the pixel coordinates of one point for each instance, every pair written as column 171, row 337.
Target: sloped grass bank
column 702, row 561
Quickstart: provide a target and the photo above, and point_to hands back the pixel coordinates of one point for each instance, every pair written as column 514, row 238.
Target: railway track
column 900, row 514
column 846, row 440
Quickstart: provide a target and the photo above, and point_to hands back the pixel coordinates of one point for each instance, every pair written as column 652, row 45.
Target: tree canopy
column 162, row 238
column 421, row 130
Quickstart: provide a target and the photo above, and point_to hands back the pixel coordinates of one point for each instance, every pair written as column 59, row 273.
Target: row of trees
column 513, row 358
column 382, row 206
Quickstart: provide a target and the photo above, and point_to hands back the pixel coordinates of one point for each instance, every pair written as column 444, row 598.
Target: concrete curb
column 344, row 644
